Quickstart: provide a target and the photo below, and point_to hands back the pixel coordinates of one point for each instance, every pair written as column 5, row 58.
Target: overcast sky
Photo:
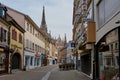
column 58, row 14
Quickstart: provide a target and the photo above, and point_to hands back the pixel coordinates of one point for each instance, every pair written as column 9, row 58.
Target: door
column 16, row 61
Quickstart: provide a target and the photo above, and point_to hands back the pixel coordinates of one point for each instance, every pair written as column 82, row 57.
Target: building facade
column 70, row 58
column 34, row 44
column 16, row 46
column 107, row 19
column 43, row 27
column 62, row 55
column 4, row 41
column 96, row 33
column 60, row 44
column 34, row 41
column 84, row 34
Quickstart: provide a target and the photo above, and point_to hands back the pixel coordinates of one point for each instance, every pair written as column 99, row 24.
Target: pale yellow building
column 16, row 45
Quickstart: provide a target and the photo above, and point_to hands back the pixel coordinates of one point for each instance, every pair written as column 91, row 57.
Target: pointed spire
column 65, row 41
column 43, row 17
column 43, row 22
column 59, row 39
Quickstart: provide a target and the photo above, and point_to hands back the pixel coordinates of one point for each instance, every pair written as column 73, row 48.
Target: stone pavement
column 46, row 73
column 67, row 75
column 33, row 74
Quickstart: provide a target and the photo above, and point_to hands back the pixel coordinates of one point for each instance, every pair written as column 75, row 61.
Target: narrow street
column 45, row 73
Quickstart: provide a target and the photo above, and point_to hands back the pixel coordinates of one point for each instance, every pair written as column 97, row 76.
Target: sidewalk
column 67, row 75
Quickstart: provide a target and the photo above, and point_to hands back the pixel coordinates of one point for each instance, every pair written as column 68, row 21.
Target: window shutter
column 8, row 37
column 1, row 39
column 0, row 34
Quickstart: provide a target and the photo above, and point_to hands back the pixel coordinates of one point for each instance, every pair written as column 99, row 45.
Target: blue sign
column 43, row 56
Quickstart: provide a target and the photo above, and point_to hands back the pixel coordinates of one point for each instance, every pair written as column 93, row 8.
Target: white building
column 69, row 56
column 34, row 43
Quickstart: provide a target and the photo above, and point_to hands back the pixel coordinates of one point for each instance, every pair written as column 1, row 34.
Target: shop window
column 117, row 57
column 108, row 61
column 2, row 61
column 31, row 61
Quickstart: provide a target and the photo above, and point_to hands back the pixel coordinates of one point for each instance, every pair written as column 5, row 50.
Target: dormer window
column 3, row 10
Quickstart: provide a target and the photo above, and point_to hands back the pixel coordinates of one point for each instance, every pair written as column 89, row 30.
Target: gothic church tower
column 43, row 26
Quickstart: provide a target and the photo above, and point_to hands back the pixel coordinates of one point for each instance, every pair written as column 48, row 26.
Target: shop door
column 16, row 61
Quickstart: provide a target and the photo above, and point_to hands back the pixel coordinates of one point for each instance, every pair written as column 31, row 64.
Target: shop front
column 108, row 56
column 3, row 60
column 86, row 63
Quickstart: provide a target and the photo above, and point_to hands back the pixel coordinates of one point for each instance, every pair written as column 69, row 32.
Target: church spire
column 43, row 22
column 65, row 41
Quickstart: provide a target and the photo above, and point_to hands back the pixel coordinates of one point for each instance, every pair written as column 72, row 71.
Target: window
column 2, row 12
column 30, row 29
column 27, row 26
column 14, row 34
column 108, row 61
column 72, row 44
column 3, row 35
column 33, row 31
column 111, row 47
column 26, row 43
column 20, row 38
column 101, row 13
column 33, row 46
column 116, row 45
column 30, row 44
column 106, row 9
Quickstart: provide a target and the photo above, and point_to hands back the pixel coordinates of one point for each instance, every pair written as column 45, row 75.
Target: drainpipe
column 9, row 56
column 93, row 56
column 119, row 49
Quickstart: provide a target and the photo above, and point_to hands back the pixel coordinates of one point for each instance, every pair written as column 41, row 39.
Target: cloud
column 58, row 13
